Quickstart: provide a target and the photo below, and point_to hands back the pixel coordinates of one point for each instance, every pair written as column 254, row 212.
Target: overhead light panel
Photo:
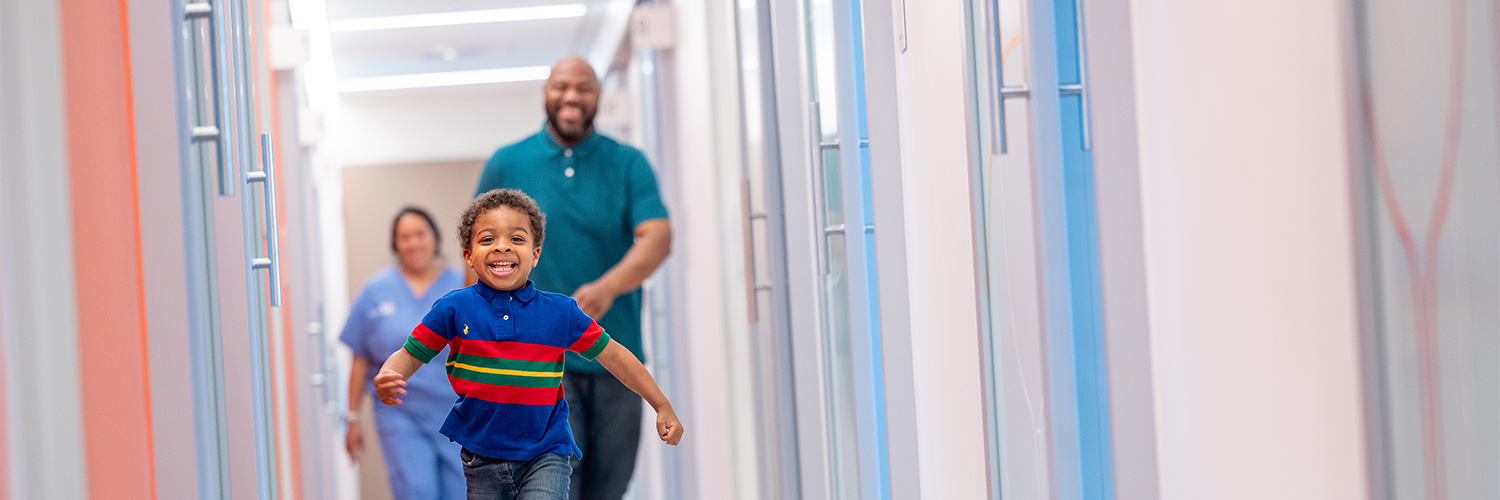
column 445, row 79
column 460, row 17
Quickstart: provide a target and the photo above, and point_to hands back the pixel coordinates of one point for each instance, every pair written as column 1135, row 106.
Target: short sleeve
column 591, row 338
column 356, row 332
column 432, row 334
column 645, row 200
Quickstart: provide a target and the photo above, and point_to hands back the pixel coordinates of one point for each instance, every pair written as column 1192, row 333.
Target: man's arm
column 653, row 241
column 390, row 381
column 623, row 365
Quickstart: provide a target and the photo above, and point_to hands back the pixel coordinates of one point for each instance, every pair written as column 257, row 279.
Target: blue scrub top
column 380, row 319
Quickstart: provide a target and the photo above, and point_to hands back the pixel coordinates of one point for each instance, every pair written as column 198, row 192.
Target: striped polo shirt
column 505, row 362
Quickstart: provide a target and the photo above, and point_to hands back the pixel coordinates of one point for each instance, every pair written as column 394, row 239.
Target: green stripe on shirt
column 417, row 350
column 598, row 347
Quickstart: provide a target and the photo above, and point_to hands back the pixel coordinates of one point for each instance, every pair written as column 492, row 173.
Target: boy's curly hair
column 494, row 199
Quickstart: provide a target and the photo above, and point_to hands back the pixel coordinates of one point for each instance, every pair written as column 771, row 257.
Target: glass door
column 1430, row 193
column 853, row 375
column 1039, row 240
column 765, row 256
column 233, row 264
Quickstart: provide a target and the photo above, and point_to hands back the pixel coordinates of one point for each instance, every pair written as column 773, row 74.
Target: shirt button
column 568, row 172
column 568, row 152
column 506, row 317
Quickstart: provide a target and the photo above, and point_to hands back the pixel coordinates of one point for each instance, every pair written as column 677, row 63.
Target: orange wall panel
column 107, row 257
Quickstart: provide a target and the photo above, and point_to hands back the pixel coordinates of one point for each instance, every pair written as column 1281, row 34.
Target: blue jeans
column 606, row 420
column 542, row 478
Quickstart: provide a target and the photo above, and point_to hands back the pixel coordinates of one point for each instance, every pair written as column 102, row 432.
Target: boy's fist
column 667, row 426
column 389, row 385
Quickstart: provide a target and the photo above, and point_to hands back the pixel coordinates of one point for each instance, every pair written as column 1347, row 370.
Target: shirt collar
column 525, row 293
column 586, row 145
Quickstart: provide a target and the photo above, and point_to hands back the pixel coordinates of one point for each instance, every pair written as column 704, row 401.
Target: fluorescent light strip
column 460, row 17
column 447, row 79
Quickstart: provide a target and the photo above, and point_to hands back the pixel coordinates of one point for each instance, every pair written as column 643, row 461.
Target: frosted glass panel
column 1432, row 179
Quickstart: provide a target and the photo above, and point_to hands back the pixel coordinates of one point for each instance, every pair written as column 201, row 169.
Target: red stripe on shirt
column 590, row 336
column 506, row 394
column 428, row 337
column 509, row 350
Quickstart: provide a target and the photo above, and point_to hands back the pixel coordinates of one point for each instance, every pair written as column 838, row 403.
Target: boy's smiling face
column 503, row 249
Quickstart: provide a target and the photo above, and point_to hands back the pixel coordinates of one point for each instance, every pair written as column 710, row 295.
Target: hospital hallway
column 914, row 249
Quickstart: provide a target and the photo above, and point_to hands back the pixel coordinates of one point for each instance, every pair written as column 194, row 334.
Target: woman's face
column 415, row 243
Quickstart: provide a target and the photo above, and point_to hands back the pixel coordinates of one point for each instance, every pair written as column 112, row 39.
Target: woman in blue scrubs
column 422, row 463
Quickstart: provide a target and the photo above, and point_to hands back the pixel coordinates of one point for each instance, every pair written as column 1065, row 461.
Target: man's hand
column 594, row 298
column 667, row 426
column 388, row 385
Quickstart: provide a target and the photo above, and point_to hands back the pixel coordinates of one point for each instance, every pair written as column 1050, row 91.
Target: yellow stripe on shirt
column 498, row 371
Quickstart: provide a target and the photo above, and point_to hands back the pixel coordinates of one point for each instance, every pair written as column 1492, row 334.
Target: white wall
column 1244, row 158
column 940, row 264
column 433, row 125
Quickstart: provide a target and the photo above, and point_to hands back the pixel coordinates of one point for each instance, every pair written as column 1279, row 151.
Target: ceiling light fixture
column 445, row 79
column 460, row 17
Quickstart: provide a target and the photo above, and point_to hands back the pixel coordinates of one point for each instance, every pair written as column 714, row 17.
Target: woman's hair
column 494, row 199
column 436, row 237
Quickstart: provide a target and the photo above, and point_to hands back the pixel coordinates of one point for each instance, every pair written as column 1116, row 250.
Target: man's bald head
column 571, row 100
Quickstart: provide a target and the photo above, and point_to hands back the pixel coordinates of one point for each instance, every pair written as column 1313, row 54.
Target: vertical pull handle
column 272, row 260
column 820, row 219
column 997, row 77
column 223, row 78
column 999, row 139
column 1085, row 100
column 215, row 132
column 262, row 403
column 749, row 240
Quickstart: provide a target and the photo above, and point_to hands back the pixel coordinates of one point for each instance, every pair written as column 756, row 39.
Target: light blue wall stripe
column 1091, row 387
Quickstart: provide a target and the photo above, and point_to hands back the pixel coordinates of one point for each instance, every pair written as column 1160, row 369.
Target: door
column 1043, row 316
column 233, row 262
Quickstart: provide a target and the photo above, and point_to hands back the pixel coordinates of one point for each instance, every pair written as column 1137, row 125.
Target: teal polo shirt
column 594, row 194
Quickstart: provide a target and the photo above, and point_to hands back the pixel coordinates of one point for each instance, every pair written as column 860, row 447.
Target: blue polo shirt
column 594, row 194
column 505, row 362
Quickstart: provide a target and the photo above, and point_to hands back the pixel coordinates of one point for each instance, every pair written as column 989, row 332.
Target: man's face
column 572, row 98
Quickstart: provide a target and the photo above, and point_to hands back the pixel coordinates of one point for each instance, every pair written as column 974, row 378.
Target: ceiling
column 459, row 122
column 436, row 49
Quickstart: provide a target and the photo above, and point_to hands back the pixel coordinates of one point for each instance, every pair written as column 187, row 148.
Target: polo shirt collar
column 587, row 145
column 525, row 293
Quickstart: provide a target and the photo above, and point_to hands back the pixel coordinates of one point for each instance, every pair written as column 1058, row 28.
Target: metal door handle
column 1085, row 101
column 220, row 74
column 749, row 235
column 262, row 403
column 272, row 260
column 819, row 217
column 999, row 139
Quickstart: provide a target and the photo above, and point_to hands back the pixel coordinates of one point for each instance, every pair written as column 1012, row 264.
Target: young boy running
column 507, row 341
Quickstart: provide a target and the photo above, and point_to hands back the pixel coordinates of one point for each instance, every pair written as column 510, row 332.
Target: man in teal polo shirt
column 606, row 232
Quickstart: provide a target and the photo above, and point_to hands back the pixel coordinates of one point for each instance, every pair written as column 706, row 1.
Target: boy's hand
column 667, row 426
column 388, row 385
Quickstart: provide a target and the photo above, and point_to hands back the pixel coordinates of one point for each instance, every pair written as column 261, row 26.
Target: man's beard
column 575, row 136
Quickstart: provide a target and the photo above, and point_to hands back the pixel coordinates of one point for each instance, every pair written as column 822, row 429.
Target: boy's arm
column 390, row 381
column 623, row 365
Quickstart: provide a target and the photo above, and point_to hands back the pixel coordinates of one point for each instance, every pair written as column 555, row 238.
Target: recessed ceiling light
column 460, row 17
column 445, row 79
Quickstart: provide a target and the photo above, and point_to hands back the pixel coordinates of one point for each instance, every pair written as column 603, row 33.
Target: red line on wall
column 118, row 459
column 4, row 405
column 1421, row 267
